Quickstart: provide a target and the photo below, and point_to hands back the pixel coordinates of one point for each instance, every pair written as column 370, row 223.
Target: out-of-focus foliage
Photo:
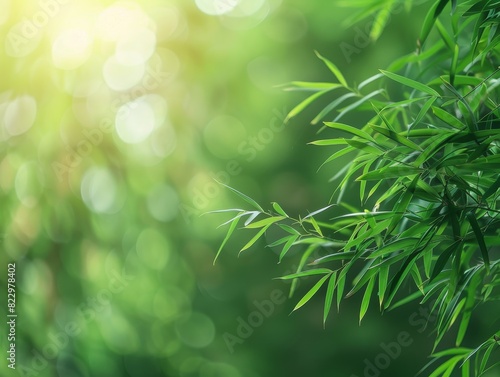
column 115, row 118
column 426, row 167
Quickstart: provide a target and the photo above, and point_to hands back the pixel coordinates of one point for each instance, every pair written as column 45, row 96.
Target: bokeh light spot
column 153, row 249
column 120, row 19
column 216, row 7
column 119, row 334
column 196, row 330
column 164, row 141
column 167, row 21
column 121, row 77
column 20, row 115
column 71, row 49
column 135, row 48
column 135, row 121
column 163, row 203
column 28, row 187
column 99, row 191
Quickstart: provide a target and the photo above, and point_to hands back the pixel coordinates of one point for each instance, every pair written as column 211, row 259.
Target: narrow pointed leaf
column 351, row 130
column 264, row 222
column 287, row 246
column 255, row 238
column 329, row 296
column 333, row 68
column 317, row 271
column 278, row 209
column 230, row 231
column 411, row 83
column 311, row 293
column 480, row 239
column 366, row 298
column 244, row 197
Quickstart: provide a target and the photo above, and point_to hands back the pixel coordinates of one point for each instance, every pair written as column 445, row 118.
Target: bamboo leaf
column 301, row 106
column 443, row 258
column 278, row 209
column 383, row 278
column 430, row 19
column 314, row 86
column 396, row 137
column 329, row 296
column 448, row 118
column 289, row 229
column 255, row 238
column 340, row 290
column 317, row 271
column 287, row 246
column 366, row 298
column 230, row 231
column 480, row 239
column 331, row 106
column 316, row 226
column 244, row 197
column 349, row 129
column 411, row 83
column 329, row 142
column 390, row 172
column 311, row 293
column 318, row 211
column 344, row 255
column 264, row 222
column 333, row 68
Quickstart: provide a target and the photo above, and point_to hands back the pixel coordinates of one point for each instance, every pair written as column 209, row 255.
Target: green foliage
column 426, row 164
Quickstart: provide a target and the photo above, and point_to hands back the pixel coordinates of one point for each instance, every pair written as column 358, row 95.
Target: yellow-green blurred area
column 116, row 118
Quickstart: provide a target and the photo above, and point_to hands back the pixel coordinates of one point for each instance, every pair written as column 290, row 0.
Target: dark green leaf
column 480, row 239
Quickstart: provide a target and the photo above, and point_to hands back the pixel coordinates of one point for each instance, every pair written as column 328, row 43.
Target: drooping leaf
column 311, row 293
column 411, row 83
column 288, row 245
column 329, row 296
column 255, row 238
column 480, row 239
column 230, row 231
column 301, row 106
column 365, row 302
column 247, row 199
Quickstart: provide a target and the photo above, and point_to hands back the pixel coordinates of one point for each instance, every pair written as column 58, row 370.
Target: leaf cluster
column 426, row 166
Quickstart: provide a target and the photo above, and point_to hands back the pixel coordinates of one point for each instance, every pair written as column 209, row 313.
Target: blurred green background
column 115, row 119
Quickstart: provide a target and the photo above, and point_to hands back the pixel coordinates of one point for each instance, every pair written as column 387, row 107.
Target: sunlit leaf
column 255, row 238
column 264, row 222
column 333, row 68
